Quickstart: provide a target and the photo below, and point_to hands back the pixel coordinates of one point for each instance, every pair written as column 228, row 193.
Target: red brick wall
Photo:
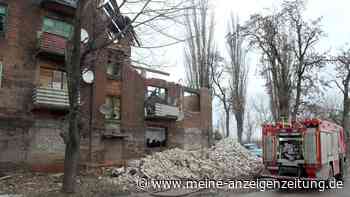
column 132, row 106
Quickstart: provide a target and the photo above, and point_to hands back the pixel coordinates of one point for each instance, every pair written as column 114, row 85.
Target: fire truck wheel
column 340, row 176
column 331, row 172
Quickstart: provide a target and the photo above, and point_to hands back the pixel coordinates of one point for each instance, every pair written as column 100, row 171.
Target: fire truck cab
column 311, row 148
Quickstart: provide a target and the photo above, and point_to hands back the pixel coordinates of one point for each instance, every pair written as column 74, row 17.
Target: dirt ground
column 42, row 184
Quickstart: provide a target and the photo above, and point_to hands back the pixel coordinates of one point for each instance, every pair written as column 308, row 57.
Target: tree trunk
column 346, row 111
column 239, row 120
column 71, row 160
column 346, row 121
column 227, row 122
column 284, row 102
column 72, row 140
column 297, row 99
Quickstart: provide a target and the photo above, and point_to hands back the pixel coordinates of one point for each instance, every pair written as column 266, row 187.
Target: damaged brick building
column 131, row 115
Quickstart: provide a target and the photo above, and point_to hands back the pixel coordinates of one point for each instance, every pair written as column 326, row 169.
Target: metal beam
column 151, row 70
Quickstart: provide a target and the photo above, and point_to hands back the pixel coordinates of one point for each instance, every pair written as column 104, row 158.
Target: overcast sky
column 335, row 24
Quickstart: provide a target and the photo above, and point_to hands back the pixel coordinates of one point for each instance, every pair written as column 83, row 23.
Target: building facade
column 131, row 115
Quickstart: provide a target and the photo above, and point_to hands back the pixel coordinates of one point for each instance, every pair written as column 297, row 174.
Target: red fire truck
column 311, row 148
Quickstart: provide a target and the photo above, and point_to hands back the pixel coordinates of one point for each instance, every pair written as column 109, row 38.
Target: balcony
column 66, row 7
column 161, row 111
column 50, row 98
column 51, row 44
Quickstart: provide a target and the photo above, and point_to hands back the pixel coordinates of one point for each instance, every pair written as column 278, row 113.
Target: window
column 191, row 101
column 3, row 15
column 156, row 137
column 1, row 74
column 53, row 79
column 113, row 66
column 113, row 69
column 159, row 92
column 114, row 104
column 57, row 27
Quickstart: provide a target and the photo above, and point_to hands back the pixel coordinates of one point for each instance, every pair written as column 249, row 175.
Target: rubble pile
column 226, row 160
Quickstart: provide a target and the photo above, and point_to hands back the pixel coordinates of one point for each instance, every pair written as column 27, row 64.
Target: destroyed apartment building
column 131, row 115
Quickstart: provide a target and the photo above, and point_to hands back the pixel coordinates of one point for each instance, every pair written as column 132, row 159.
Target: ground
column 49, row 185
column 91, row 185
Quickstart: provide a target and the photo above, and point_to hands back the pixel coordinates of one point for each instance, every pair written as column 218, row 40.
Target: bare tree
column 306, row 36
column 343, row 83
column 268, row 34
column 72, row 139
column 106, row 24
column 289, row 56
column 250, row 125
column 261, row 110
column 238, row 71
column 327, row 107
column 200, row 44
column 220, row 90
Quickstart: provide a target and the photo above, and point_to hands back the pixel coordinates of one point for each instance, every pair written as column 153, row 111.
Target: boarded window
column 3, row 17
column 156, row 137
column 191, row 101
column 54, row 79
column 57, row 27
column 114, row 104
column 157, row 91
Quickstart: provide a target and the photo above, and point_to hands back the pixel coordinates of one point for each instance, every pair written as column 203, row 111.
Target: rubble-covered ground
column 226, row 160
column 27, row 184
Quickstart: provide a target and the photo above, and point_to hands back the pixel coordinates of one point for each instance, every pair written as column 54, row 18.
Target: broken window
column 57, row 27
column 114, row 104
column 3, row 15
column 156, row 137
column 113, row 69
column 54, row 79
column 159, row 92
column 191, row 101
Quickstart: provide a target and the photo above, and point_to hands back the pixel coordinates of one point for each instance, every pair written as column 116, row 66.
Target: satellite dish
column 88, row 76
column 84, row 36
column 106, row 109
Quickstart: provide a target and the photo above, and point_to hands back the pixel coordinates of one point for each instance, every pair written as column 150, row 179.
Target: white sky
column 335, row 24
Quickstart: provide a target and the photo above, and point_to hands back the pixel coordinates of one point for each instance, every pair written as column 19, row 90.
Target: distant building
column 139, row 116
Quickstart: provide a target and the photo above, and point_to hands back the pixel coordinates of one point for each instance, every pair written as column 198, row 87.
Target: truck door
column 310, row 147
column 269, row 148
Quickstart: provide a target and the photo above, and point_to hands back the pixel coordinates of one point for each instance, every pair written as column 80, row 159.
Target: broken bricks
column 226, row 160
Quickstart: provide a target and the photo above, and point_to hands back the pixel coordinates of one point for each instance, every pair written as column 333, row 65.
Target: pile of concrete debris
column 226, row 160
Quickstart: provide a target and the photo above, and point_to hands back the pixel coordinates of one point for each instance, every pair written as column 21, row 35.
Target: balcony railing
column 51, row 98
column 51, row 44
column 62, row 6
column 161, row 111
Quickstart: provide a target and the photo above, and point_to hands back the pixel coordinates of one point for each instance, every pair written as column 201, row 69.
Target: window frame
column 149, row 92
column 150, row 128
column 5, row 15
column 63, row 83
column 115, row 69
column 116, row 108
